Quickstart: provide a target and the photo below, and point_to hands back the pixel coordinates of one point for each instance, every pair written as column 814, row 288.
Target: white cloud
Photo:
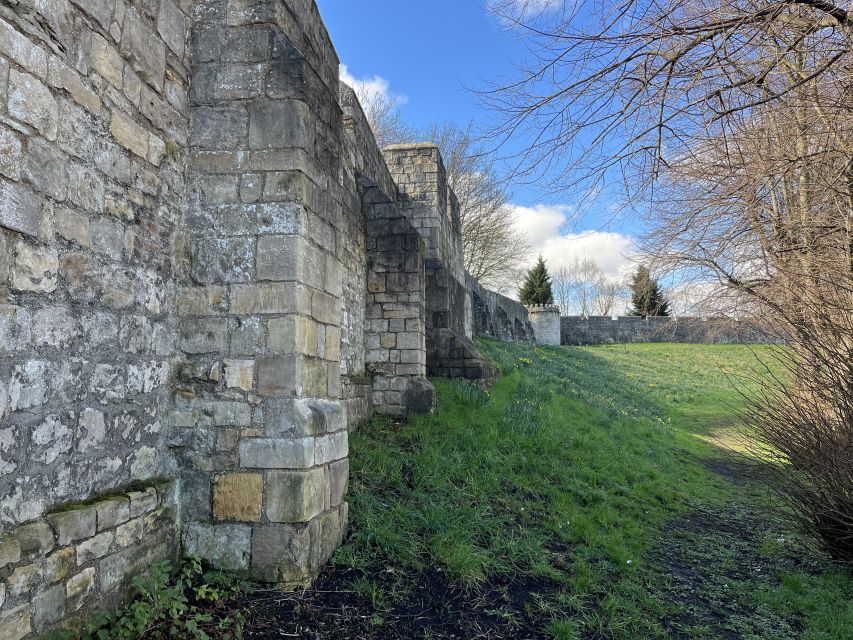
column 369, row 88
column 543, row 225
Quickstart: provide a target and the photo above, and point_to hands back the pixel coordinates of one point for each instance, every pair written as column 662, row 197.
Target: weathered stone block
column 16, row 624
column 295, row 496
column 106, row 61
column 59, row 565
column 112, row 512
column 142, row 502
column 172, row 27
column 94, row 548
column 280, row 124
column 10, row 551
column 74, row 524
column 35, row 539
column 204, row 336
column 338, row 481
column 74, row 227
column 238, row 496
column 238, row 81
column 36, row 269
column 31, row 102
column 49, row 607
column 334, row 446
column 225, row 546
column 143, row 48
column 301, row 417
column 20, row 49
column 129, row 134
column 78, row 588
column 20, row 209
column 10, row 154
column 280, row 375
column 100, row 10
column 276, row 453
column 239, row 374
column 281, row 553
column 218, row 127
column 291, row 335
column 223, row 260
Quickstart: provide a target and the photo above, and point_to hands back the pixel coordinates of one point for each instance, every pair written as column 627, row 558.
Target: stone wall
column 93, row 120
column 499, row 317
column 579, row 330
column 545, row 320
column 73, row 563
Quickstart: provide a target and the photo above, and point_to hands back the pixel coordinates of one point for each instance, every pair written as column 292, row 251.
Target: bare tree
column 580, row 286
column 731, row 121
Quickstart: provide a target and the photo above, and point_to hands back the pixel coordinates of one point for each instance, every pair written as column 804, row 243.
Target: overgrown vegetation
column 183, row 602
column 587, row 496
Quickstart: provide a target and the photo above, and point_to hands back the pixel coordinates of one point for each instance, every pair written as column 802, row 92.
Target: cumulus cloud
column 372, row 87
column 543, row 225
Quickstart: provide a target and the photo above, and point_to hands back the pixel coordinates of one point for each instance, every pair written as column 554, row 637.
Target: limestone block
column 129, row 134
column 59, row 565
column 280, row 375
column 238, row 81
column 295, row 496
column 108, row 383
column 35, row 539
column 239, row 374
column 270, row 298
column 225, row 414
column 279, row 124
column 61, row 76
column 74, row 524
column 276, row 453
column 106, row 61
column 91, row 430
column 45, row 169
column 281, row 553
column 36, row 269
column 21, row 580
column 108, row 238
column 20, row 209
column 172, row 27
column 326, row 309
column 10, row 551
column 100, row 10
column 204, row 336
column 201, row 301
column 31, row 102
column 78, row 588
column 51, row 439
column 338, row 481
column 223, row 260
column 94, row 548
column 246, row 45
column 29, row 385
column 19, row 48
column 16, row 624
column 15, row 328
column 112, row 512
column 143, row 48
column 10, row 154
column 238, row 496
column 142, row 502
column 333, row 446
column 300, row 417
column 86, row 189
column 225, row 546
column 246, row 336
column 49, row 607
column 292, row 334
column 218, row 127
column 74, row 227
column 130, row 532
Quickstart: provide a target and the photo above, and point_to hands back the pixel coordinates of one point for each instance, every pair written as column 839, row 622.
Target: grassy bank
column 583, row 497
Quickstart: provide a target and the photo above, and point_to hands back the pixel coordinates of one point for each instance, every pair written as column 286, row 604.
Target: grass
column 593, row 477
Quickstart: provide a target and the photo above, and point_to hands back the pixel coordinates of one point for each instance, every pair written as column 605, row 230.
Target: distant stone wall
column 579, row 330
column 499, row 317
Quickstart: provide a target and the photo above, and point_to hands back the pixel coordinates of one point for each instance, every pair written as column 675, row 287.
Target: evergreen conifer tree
column 537, row 286
column 646, row 295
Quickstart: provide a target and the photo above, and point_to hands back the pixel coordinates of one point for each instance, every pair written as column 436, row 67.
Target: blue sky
column 427, row 53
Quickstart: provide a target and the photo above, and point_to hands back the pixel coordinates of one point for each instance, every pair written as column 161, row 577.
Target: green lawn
column 591, row 474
